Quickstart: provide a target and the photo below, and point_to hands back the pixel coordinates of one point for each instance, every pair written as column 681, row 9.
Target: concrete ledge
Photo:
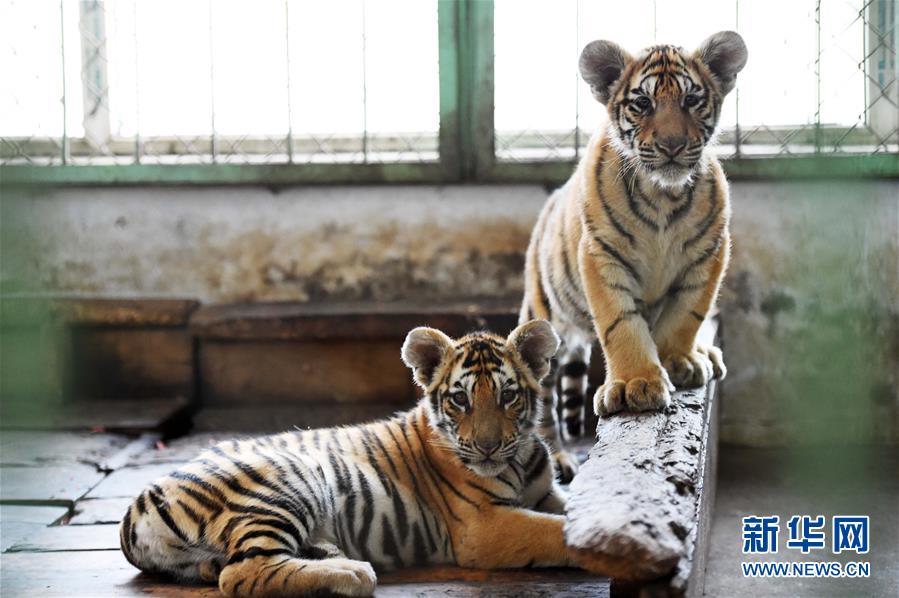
column 641, row 503
column 29, row 310
column 369, row 320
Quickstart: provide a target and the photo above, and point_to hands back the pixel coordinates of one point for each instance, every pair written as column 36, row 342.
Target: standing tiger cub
column 633, row 248
column 462, row 478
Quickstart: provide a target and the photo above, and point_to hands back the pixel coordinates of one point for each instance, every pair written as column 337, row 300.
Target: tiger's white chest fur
column 658, row 253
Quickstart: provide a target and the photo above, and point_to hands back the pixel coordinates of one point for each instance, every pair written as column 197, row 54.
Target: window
column 407, row 90
column 169, row 81
column 821, row 76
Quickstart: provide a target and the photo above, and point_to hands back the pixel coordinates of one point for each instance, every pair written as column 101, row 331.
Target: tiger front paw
column 646, row 392
column 695, row 368
column 566, row 465
column 623, row 568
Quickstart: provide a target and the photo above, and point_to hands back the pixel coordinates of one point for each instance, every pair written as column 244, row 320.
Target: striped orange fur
column 633, row 248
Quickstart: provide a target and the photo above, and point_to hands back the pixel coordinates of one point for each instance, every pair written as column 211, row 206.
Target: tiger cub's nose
column 487, row 447
column 671, row 146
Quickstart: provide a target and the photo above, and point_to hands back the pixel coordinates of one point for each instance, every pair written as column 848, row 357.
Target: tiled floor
column 63, row 494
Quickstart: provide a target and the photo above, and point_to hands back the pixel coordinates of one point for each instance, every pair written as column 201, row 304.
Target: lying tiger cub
column 461, row 478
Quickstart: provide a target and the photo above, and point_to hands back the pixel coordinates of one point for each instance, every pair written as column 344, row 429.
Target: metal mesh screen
column 821, row 76
column 236, row 82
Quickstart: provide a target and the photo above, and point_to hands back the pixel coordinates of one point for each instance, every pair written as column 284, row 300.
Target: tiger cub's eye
column 690, row 100
column 459, row 399
column 508, row 398
column 642, row 102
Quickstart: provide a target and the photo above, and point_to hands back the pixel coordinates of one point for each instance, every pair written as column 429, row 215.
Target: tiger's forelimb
column 503, row 537
column 690, row 364
column 635, row 379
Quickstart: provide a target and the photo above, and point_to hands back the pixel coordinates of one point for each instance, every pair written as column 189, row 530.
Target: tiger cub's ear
column 725, row 54
column 423, row 351
column 601, row 64
column 536, row 341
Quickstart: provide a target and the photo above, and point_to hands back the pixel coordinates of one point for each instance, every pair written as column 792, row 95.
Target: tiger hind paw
column 566, row 466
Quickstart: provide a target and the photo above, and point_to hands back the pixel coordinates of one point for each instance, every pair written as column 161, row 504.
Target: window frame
column 465, row 139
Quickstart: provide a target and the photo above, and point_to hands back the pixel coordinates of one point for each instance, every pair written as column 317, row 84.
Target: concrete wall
column 810, row 309
column 250, row 244
column 811, row 314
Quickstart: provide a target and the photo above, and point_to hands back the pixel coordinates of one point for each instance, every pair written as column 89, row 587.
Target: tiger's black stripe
column 626, row 315
column 163, row 511
column 629, row 267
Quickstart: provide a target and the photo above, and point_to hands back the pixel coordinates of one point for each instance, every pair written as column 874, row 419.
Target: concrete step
column 332, row 359
column 95, row 348
column 336, row 360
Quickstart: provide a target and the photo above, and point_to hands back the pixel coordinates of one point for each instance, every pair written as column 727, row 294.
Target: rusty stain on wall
column 335, row 244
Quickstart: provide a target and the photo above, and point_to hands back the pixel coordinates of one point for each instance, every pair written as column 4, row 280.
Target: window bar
column 479, row 123
column 818, row 76
column 737, row 140
column 449, row 150
column 364, row 92
column 655, row 22
column 137, row 146
column 880, row 69
column 94, row 75
column 287, row 54
column 212, row 144
column 892, row 12
column 577, row 80
column 863, row 13
column 62, row 54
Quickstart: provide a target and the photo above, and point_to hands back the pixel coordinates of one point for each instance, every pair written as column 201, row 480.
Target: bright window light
column 187, row 67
